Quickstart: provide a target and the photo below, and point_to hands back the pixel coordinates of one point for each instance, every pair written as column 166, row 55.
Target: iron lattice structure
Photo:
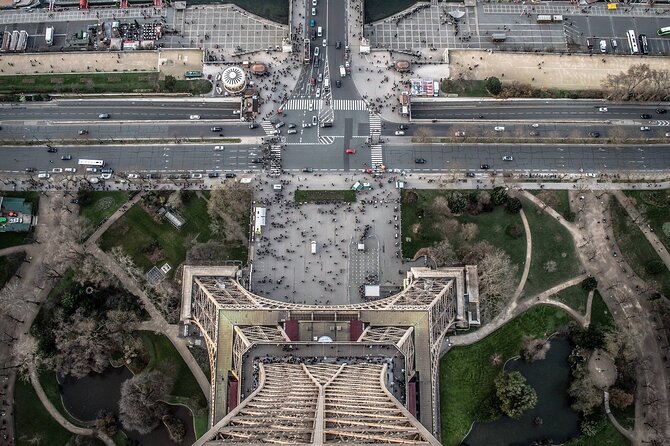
column 415, row 321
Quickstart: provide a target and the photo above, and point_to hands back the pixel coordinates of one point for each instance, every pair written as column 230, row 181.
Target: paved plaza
column 284, row 267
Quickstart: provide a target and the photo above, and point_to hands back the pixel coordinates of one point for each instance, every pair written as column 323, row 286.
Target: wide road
column 526, row 110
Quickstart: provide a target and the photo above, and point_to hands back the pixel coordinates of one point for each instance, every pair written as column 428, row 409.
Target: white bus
column 85, row 162
column 632, row 41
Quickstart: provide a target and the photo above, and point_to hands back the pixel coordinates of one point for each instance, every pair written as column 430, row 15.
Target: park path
column 14, row 249
column 526, row 265
column 113, row 218
column 622, row 430
column 636, row 216
column 59, row 418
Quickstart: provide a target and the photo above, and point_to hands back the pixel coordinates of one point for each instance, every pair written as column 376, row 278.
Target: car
column 311, row 106
column 667, row 135
column 508, row 158
column 66, row 157
column 470, row 174
column 308, row 170
column 602, row 109
column 313, row 11
column 216, row 129
column 91, row 170
column 280, row 124
column 338, row 45
column 105, row 176
column 536, row 125
column 291, row 125
column 213, row 174
column 194, row 117
column 459, row 134
column 603, row 46
column 499, row 128
column 107, row 170
column 338, row 83
column 350, row 151
column 132, row 176
column 594, row 134
column 402, row 127
column 645, row 116
column 314, row 120
column 74, row 201
column 196, row 176
column 312, row 80
column 103, row 116
column 325, row 42
column 230, row 175
column 533, row 133
column 644, row 129
column 57, row 170
column 318, row 93
column 83, row 132
column 399, row 133
column 312, row 23
column 275, row 132
column 319, row 77
column 30, row 169
column 306, row 125
column 236, row 112
column 419, row 160
column 484, row 166
column 313, row 2
column 43, row 175
column 52, row 150
column 70, row 169
column 291, row 131
column 257, row 160
column 614, row 44
column 219, row 148
column 317, row 50
column 661, row 111
column 253, row 125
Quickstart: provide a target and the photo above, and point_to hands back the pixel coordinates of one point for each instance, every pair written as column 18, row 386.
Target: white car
column 275, row 132
column 399, row 133
column 325, row 42
column 318, row 93
column 316, row 51
column 535, row 125
column 194, row 117
column 105, row 176
column 236, row 112
column 91, row 170
column 219, row 148
column 133, row 176
column 499, row 128
column 602, row 109
column 307, row 125
column 508, row 158
column 57, row 170
column 644, row 129
column 71, row 169
column 311, row 106
column 667, row 135
column 196, row 176
column 313, row 11
column 603, row 46
column 313, row 2
column 43, row 175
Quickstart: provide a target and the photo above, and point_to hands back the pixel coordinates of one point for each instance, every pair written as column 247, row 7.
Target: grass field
column 655, row 207
column 600, row 314
column 556, row 199
column 186, row 389
column 34, row 425
column 96, row 83
column 9, row 265
column 8, row 239
column 424, row 227
column 50, row 385
column 467, row 374
column 553, row 258
column 323, row 196
column 574, row 297
column 462, row 87
column 102, row 204
column 144, row 238
column 608, row 436
column 636, row 249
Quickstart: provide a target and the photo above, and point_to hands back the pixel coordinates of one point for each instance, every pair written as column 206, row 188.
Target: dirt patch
column 415, row 228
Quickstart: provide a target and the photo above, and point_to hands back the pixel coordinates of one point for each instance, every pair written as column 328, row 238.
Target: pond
column 85, row 397
column 550, row 378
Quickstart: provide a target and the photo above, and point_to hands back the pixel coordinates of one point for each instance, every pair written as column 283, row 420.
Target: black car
column 253, row 125
column 52, row 150
column 484, row 166
column 470, row 174
column 660, row 111
column 83, row 132
column 66, row 157
column 420, row 161
column 308, row 170
column 594, row 134
column 338, row 45
column 216, row 129
column 230, row 175
column 645, row 116
column 30, row 169
column 213, row 174
column 403, row 127
column 257, row 160
column 291, row 126
column 338, row 83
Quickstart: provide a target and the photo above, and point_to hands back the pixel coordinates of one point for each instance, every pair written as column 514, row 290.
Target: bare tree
column 443, row 253
column 423, row 134
column 469, row 231
column 91, row 271
column 639, row 83
column 534, row 349
column 13, row 303
column 140, row 407
column 25, row 354
column 227, row 207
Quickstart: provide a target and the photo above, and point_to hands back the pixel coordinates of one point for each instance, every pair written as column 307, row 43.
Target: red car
column 350, row 151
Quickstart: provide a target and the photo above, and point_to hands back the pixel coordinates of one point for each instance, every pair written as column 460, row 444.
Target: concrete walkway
column 526, row 266
column 14, row 250
column 622, row 430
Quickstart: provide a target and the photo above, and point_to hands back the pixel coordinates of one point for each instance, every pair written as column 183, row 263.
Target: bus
column 665, row 31
column 644, row 46
column 193, row 74
column 85, row 162
column 632, row 41
column 498, row 37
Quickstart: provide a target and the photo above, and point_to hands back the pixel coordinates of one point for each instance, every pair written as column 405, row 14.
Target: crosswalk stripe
column 303, row 104
column 349, row 104
column 375, row 124
column 268, row 127
column 377, row 156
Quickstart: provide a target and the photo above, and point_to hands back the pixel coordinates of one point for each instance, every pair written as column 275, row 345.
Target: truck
column 49, row 36
column 404, row 103
column 343, row 72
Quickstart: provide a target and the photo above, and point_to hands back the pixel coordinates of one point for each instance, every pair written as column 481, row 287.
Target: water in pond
column 85, row 397
column 550, row 378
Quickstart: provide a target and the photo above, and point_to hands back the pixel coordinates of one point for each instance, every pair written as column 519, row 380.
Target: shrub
column 589, row 284
column 513, row 205
column 493, row 85
column 654, row 267
column 514, row 230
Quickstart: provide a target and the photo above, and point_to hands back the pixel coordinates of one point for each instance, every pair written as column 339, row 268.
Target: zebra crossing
column 377, row 156
column 375, row 124
column 303, row 104
column 349, row 104
column 275, row 161
column 326, row 140
column 268, row 127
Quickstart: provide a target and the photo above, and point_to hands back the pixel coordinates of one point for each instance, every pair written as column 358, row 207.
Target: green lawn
column 322, row 196
column 551, row 243
column 34, row 425
column 186, row 389
column 144, row 238
column 423, row 227
column 559, row 200
column 608, row 436
column 655, row 207
column 8, row 239
column 575, row 297
column 101, row 204
column 9, row 264
column 636, row 249
column 462, row 87
column 467, row 374
column 50, row 385
column 95, row 83
column 600, row 314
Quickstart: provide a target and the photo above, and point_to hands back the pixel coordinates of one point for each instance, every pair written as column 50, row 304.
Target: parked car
column 52, row 150
column 213, row 174
column 508, row 158
column 230, row 175
column 399, row 133
column 533, row 133
column 594, row 134
column 645, row 116
column 308, row 170
column 644, row 128
column 470, row 174
column 350, row 151
column 484, row 166
column 499, row 128
column 66, row 157
column 603, row 46
column 419, row 161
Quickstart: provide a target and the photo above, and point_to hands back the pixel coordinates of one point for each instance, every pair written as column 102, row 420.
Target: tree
column 423, row 134
column 169, row 83
column 493, row 85
column 620, row 345
column 140, row 407
column 514, row 394
column 175, row 200
column 443, row 253
column 513, row 205
column 620, row 399
column 638, row 83
column 499, row 195
column 589, row 284
column 586, row 396
column 589, row 338
column 469, row 231
column 106, row 422
column 533, row 349
column 175, row 428
column 25, row 354
column 91, row 272
column 457, row 203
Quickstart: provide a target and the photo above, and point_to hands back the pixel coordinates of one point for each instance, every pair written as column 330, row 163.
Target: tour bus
column 85, row 162
column 632, row 41
column 665, row 31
